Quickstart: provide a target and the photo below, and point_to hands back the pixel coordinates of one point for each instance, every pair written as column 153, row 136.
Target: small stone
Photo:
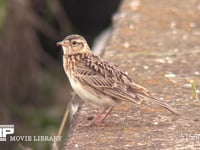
column 156, row 123
column 134, row 4
column 131, row 26
column 169, row 60
column 173, row 24
column 133, row 69
column 146, row 67
column 192, row 24
column 126, row 45
column 188, row 85
column 176, row 50
column 170, row 75
column 76, row 145
column 160, row 60
column 161, row 98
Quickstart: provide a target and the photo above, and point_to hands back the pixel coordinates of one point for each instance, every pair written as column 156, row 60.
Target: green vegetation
column 2, row 13
column 194, row 89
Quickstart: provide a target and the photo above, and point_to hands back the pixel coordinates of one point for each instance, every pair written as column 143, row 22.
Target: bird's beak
column 61, row 43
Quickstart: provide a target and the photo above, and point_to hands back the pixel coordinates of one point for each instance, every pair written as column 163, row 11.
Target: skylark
column 98, row 81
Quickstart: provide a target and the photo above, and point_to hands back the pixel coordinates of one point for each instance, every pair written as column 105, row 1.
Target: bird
column 100, row 82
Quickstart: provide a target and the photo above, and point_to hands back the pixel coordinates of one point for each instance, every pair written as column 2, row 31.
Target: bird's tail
column 141, row 91
column 164, row 105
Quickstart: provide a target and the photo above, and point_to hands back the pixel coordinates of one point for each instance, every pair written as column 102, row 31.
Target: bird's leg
column 94, row 121
column 107, row 114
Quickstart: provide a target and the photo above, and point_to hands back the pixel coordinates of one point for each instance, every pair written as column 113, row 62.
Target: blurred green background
column 34, row 90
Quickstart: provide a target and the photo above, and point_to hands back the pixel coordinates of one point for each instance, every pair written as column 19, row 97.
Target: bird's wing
column 106, row 82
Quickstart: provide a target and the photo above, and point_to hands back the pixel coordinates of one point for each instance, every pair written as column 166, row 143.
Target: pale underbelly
column 91, row 96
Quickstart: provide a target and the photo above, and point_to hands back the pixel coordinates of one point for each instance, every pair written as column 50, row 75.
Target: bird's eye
column 74, row 43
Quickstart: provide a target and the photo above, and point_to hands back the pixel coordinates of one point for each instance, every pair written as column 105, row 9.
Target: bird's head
column 74, row 44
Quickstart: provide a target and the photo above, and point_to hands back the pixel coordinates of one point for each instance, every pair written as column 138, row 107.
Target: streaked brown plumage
column 99, row 82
